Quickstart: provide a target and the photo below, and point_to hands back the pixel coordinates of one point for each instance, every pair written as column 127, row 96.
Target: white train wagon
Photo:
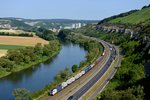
column 77, row 76
column 64, row 84
column 83, row 72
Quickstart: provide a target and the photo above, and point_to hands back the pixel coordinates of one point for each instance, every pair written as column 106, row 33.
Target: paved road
column 89, row 84
column 101, row 87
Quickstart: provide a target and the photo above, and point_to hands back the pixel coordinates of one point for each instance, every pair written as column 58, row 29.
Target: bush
column 74, row 68
column 21, row 94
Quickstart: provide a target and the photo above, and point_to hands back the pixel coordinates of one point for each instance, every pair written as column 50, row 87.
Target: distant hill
column 56, row 23
column 61, row 20
column 21, row 23
column 131, row 17
column 12, row 23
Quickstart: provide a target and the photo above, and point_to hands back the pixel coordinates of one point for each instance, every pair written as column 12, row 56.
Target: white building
column 79, row 25
column 68, row 27
column 73, row 25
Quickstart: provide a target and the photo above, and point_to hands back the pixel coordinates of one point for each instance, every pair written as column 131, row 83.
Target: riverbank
column 18, row 68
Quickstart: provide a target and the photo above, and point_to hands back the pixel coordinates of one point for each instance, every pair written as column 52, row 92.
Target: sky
column 67, row 9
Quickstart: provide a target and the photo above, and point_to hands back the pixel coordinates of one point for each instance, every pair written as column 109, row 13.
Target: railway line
column 90, row 83
column 81, row 83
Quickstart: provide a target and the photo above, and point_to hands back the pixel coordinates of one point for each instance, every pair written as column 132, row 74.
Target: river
column 42, row 74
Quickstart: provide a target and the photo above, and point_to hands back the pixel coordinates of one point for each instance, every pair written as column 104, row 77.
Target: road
column 89, row 84
column 100, row 87
column 80, row 86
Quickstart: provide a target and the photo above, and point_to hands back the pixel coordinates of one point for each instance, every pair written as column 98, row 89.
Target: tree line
column 20, row 34
column 44, row 33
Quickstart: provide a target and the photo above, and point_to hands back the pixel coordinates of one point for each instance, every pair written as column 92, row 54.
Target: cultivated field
column 3, row 52
column 21, row 41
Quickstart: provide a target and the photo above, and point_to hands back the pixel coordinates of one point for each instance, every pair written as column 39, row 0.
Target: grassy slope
column 137, row 17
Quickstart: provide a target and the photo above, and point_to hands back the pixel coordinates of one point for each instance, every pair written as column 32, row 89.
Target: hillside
column 129, row 81
column 134, row 18
column 57, row 23
column 132, row 33
column 11, row 23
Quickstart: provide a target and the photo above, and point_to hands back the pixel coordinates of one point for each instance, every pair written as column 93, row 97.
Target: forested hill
column 12, row 23
column 131, row 17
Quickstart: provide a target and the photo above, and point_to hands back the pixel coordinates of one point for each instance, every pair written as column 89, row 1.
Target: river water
column 42, row 74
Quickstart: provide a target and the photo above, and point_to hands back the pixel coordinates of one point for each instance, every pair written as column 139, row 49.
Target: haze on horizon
column 67, row 9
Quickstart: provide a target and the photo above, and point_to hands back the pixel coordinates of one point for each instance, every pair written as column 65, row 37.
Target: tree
column 63, row 33
column 63, row 74
column 6, row 63
column 16, row 56
column 21, row 94
column 38, row 49
column 45, row 34
column 46, row 50
column 133, row 93
column 26, row 59
column 74, row 68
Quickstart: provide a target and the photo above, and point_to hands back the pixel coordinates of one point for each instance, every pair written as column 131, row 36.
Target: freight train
column 77, row 76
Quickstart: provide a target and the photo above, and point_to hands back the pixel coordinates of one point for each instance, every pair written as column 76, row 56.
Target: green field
column 135, row 18
column 10, row 47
